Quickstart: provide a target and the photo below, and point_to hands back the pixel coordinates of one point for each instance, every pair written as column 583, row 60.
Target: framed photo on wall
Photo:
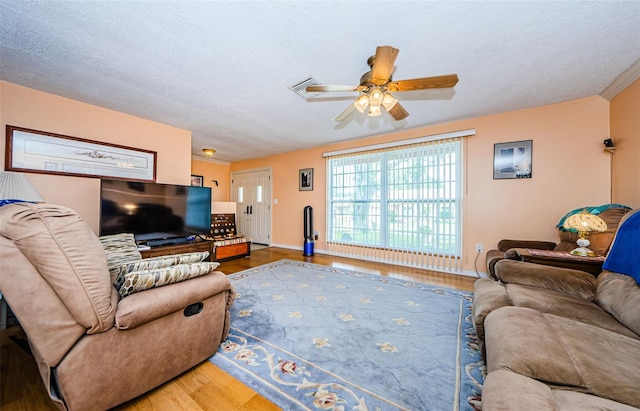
column 197, row 181
column 34, row 151
column 305, row 180
column 512, row 160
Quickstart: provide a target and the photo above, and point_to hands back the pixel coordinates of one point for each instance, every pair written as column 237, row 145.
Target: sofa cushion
column 143, row 280
column 564, row 352
column 522, row 340
column 619, row 295
column 565, row 305
column 575, row 282
column 68, row 255
column 504, row 390
column 155, row 263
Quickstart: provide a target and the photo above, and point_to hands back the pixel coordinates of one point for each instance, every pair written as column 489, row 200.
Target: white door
column 251, row 190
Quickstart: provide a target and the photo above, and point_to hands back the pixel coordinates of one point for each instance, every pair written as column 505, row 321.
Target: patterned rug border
column 474, row 371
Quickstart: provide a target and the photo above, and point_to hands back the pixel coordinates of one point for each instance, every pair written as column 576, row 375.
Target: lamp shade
column 375, row 96
column 388, row 101
column 585, row 221
column 375, row 101
column 374, row 111
column 15, row 187
column 361, row 103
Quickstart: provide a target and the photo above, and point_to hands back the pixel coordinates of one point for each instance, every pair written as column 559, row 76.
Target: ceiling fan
column 376, row 84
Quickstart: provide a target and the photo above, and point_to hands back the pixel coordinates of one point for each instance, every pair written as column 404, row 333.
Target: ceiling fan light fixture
column 374, row 111
column 361, row 103
column 388, row 101
column 209, row 152
column 376, row 84
column 375, row 96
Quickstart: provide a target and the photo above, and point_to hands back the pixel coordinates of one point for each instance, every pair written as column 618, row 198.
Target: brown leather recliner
column 94, row 350
column 600, row 242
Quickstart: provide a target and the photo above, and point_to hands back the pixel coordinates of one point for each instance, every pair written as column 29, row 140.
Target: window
column 405, row 198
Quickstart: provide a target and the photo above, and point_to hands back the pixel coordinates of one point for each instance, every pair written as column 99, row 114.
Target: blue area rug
column 309, row 337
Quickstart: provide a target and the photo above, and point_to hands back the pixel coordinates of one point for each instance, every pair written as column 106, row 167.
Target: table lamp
column 16, row 188
column 584, row 222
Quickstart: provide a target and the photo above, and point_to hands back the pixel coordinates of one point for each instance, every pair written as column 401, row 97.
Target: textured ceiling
column 222, row 69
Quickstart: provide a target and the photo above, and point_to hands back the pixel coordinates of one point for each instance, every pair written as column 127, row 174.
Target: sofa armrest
column 143, row 307
column 488, row 295
column 566, row 280
column 493, row 256
column 504, row 245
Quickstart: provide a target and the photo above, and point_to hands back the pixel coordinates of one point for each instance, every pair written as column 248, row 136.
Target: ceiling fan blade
column 323, row 88
column 398, row 112
column 383, row 64
column 345, row 113
column 445, row 81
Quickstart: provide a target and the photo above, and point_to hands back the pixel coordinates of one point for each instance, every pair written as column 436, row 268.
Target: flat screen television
column 155, row 213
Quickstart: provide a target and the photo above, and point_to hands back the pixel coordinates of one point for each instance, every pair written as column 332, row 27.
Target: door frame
column 233, row 192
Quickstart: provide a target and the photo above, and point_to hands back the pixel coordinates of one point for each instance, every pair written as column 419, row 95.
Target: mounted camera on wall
column 609, row 146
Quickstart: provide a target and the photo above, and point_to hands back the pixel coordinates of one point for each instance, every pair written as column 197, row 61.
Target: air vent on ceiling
column 300, row 87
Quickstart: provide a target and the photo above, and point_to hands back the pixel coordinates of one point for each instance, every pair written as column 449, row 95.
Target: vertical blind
column 397, row 204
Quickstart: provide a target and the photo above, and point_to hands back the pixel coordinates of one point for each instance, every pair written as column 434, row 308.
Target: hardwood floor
column 204, row 387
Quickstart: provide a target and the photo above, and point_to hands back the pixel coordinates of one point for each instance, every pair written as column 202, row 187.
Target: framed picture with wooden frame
column 512, row 160
column 305, row 179
column 33, row 151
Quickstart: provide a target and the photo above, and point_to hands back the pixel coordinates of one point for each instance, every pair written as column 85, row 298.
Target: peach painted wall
column 212, row 170
column 570, row 170
column 25, row 107
column 625, row 132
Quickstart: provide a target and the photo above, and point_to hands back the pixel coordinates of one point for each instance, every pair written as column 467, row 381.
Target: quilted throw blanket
column 624, row 256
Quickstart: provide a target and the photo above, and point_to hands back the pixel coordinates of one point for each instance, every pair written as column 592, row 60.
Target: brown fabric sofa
column 94, row 350
column 600, row 243
column 506, row 390
column 559, row 339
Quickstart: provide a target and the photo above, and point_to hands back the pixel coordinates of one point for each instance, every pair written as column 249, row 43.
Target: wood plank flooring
column 204, row 387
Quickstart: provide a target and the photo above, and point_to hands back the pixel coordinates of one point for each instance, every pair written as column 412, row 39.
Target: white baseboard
column 465, row 273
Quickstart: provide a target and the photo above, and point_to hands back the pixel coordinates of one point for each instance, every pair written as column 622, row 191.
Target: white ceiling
column 222, row 68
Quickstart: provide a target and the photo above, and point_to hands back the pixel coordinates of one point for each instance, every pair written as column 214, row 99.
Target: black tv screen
column 153, row 211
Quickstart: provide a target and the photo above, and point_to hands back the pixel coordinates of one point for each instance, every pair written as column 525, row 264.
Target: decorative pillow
column 155, row 263
column 144, row 280
column 120, row 249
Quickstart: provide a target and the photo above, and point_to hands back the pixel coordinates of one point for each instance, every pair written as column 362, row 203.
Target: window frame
column 454, row 229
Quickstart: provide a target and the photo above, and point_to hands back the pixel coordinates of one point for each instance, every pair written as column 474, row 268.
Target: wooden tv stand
column 190, row 247
column 216, row 253
column 223, row 252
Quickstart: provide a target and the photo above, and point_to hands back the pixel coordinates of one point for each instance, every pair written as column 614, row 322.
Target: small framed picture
column 197, row 180
column 305, row 182
column 512, row 160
